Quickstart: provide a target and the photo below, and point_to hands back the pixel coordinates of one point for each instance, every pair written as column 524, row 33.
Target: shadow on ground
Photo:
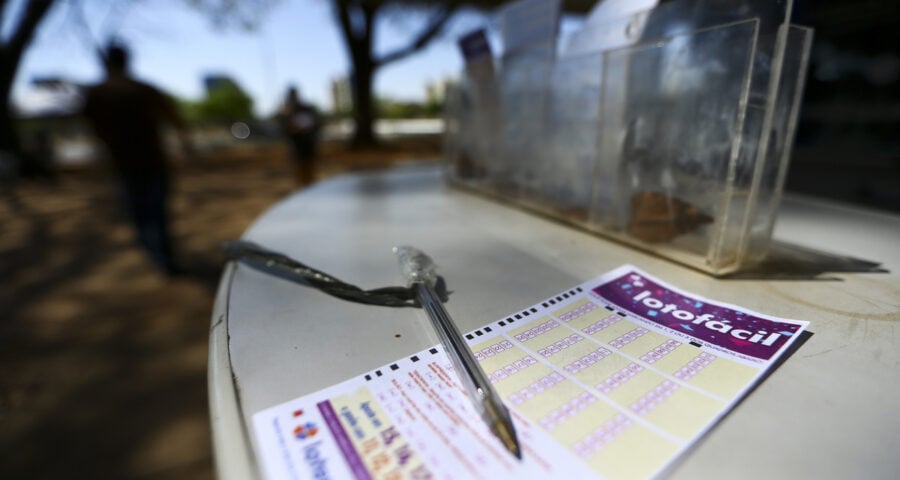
column 103, row 359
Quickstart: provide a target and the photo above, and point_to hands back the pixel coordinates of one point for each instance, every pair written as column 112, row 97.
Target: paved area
column 102, row 358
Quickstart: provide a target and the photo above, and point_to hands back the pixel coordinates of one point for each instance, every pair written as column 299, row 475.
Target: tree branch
column 77, row 18
column 114, row 19
column 2, row 13
column 430, row 31
column 343, row 16
column 245, row 15
column 368, row 11
column 34, row 12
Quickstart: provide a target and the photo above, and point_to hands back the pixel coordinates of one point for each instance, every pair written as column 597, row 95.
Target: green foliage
column 226, row 101
column 434, row 108
column 338, row 114
column 188, row 110
column 396, row 109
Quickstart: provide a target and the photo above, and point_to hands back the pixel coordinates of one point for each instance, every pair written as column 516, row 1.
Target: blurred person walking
column 300, row 122
column 128, row 116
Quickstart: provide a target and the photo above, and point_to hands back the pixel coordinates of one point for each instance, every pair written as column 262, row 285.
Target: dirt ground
column 102, row 358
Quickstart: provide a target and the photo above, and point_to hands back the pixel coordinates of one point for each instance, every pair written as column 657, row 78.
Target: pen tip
column 515, row 449
column 507, row 434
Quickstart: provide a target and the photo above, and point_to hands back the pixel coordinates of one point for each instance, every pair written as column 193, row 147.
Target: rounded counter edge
column 231, row 445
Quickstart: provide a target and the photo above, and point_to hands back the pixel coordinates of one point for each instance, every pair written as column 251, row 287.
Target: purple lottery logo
column 732, row 329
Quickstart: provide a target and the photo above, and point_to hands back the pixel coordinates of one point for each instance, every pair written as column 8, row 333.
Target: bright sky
column 174, row 46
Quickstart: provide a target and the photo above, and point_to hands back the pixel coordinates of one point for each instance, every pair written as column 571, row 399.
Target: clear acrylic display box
column 669, row 129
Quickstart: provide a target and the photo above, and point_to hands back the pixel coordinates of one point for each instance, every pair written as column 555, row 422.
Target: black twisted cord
column 282, row 266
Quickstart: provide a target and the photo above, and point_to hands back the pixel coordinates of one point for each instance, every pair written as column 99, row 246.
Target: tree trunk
column 9, row 140
column 10, row 55
column 363, row 108
column 363, row 75
column 357, row 22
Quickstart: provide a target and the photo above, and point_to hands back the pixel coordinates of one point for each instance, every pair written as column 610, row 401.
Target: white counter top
column 828, row 412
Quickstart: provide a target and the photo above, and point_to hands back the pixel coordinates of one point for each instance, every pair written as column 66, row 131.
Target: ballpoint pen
column 421, row 274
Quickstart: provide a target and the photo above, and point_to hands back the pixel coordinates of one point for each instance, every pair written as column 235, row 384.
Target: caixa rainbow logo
column 304, row 430
column 307, row 430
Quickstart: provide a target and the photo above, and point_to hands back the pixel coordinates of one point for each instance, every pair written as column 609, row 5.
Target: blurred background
column 102, row 354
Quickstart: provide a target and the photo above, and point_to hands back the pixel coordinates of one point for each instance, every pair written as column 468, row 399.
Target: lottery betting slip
column 614, row 378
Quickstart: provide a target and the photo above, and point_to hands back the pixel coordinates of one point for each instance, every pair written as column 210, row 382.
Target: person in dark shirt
column 300, row 122
column 128, row 115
